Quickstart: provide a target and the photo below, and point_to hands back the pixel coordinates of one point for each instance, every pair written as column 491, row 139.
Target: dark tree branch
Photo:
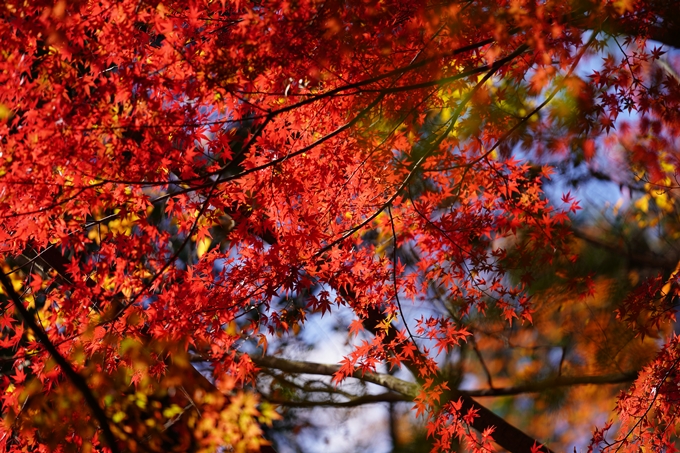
column 386, row 397
column 646, row 260
column 78, row 381
column 547, row 384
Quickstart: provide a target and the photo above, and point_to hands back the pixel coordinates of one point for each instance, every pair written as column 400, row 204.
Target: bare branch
column 395, row 384
column 649, row 260
column 410, row 389
column 386, row 397
column 547, row 384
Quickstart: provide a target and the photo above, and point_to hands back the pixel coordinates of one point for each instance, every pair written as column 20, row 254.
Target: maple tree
column 183, row 185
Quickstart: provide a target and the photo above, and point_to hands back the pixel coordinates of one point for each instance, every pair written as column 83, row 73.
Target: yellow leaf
column 643, row 203
column 203, row 246
column 4, row 112
column 118, row 417
column 232, row 328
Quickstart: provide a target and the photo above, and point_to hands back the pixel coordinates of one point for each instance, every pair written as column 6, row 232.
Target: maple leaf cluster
column 188, row 181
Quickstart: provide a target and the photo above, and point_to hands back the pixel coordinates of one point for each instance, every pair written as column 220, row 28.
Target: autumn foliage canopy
column 186, row 184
